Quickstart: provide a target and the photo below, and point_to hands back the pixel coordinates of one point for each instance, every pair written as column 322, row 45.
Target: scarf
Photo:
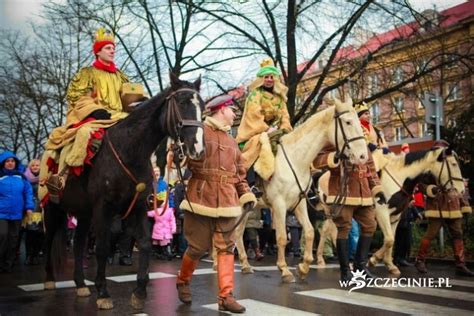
column 100, row 65
column 33, row 178
column 365, row 124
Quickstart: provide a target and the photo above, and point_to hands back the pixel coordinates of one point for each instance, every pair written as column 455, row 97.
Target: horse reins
column 173, row 115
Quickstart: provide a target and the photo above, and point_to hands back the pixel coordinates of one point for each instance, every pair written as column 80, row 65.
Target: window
column 399, row 133
column 453, row 92
column 421, row 65
column 425, row 130
column 373, row 84
column 399, row 104
column 397, row 75
column 375, row 113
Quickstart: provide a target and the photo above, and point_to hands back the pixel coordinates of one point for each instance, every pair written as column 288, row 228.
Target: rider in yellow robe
column 265, row 112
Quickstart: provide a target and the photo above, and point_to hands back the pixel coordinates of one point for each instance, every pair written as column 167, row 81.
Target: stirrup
column 55, row 185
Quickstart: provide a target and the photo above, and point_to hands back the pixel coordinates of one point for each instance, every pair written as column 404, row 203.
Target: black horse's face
column 188, row 132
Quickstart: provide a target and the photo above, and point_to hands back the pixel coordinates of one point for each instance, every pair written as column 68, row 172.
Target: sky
column 17, row 13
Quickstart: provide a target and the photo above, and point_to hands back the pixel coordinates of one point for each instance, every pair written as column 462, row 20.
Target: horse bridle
column 174, row 118
column 451, row 179
column 340, row 153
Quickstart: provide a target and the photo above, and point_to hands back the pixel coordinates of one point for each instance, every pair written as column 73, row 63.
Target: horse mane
column 415, row 156
column 314, row 121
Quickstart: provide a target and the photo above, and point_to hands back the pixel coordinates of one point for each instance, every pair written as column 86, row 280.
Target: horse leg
column 301, row 214
column 80, row 238
column 101, row 225
column 144, row 246
column 239, row 235
column 322, row 240
column 382, row 214
column 388, row 258
column 279, row 220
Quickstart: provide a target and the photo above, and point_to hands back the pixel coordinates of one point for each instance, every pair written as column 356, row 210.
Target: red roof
column 448, row 17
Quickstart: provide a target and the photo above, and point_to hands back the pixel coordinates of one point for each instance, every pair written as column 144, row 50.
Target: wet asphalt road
column 262, row 293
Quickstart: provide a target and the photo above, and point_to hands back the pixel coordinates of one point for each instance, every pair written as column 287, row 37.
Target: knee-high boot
column 225, row 275
column 461, row 269
column 185, row 274
column 361, row 256
column 420, row 259
column 343, row 256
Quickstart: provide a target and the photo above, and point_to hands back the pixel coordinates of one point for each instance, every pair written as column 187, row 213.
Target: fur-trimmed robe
column 263, row 110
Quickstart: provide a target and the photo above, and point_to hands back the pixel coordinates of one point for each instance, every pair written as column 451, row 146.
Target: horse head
column 445, row 168
column 346, row 133
column 182, row 117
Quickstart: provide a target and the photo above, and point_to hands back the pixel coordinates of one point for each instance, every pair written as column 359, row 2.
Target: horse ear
column 174, row 80
column 197, row 83
column 448, row 151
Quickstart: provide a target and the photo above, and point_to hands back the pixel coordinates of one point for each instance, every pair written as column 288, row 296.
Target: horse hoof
column 288, row 278
column 321, row 263
column 49, row 285
column 301, row 271
column 136, row 302
column 394, row 270
column 105, row 303
column 83, row 292
column 372, row 261
column 247, row 270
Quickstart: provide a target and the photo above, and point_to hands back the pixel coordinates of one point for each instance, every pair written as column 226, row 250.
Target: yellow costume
column 263, row 109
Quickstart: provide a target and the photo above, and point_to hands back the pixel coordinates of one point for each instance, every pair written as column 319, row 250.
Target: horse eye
column 348, row 122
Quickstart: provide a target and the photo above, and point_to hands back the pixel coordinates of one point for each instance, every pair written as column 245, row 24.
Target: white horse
column 441, row 163
column 394, row 171
column 337, row 125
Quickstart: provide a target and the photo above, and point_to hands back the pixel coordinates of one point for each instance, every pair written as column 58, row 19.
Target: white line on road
column 59, row 285
column 257, row 308
column 384, row 303
column 465, row 296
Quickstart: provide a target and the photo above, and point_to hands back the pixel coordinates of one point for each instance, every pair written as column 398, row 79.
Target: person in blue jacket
column 16, row 201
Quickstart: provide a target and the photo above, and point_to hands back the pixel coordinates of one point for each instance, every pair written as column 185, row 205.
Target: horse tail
column 56, row 236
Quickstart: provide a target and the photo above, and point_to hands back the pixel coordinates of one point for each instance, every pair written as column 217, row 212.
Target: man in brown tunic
column 216, row 192
column 363, row 185
column 448, row 207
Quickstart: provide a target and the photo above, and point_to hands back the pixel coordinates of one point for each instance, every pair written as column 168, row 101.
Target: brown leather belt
column 232, row 179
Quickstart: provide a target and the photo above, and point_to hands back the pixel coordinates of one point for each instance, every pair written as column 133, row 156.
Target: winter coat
column 16, row 193
column 165, row 225
column 253, row 221
column 217, row 187
column 363, row 183
column 445, row 204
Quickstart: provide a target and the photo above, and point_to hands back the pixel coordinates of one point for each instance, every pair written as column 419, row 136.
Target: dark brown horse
column 104, row 192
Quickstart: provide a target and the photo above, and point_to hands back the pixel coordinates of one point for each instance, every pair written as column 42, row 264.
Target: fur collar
column 216, row 124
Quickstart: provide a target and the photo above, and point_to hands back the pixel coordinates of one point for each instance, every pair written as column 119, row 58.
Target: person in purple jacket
column 16, row 201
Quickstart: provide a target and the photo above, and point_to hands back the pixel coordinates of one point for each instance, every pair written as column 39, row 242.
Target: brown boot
column 225, row 275
column 461, row 269
column 185, row 274
column 420, row 259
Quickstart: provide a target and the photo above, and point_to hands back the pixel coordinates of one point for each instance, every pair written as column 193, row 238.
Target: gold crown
column 104, row 35
column 360, row 107
column 267, row 62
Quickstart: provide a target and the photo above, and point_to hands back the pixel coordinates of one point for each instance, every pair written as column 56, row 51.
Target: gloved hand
column 385, row 150
column 100, row 115
column 381, row 198
column 336, row 159
column 372, row 147
column 248, row 206
column 435, row 190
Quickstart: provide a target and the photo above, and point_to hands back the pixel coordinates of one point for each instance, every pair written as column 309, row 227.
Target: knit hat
column 268, row 68
column 219, row 102
column 361, row 108
column 102, row 37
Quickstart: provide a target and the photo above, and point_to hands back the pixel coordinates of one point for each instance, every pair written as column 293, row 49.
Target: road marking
column 257, row 308
column 465, row 296
column 59, row 285
column 461, row 283
column 133, row 277
column 384, row 303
